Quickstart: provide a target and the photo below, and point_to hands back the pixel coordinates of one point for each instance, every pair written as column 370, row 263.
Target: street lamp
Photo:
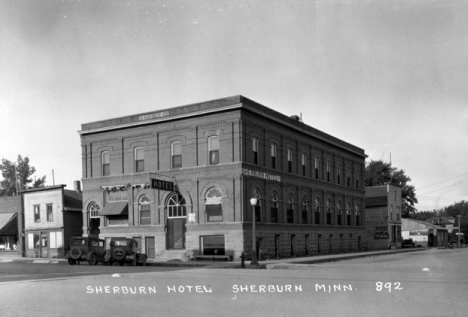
column 253, row 202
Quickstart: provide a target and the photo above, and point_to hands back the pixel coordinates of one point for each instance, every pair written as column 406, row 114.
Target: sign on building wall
column 381, row 233
column 162, row 185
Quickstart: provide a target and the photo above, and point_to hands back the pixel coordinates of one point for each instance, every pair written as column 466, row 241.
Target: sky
column 387, row 76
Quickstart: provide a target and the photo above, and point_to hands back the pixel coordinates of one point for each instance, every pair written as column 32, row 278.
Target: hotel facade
column 180, row 180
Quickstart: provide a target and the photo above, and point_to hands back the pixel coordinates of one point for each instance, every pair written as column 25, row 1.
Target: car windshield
column 78, row 242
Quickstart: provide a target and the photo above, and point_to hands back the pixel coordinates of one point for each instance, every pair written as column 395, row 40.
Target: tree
column 380, row 173
column 11, row 184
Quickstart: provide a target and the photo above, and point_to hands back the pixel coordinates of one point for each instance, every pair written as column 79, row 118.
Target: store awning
column 8, row 224
column 115, row 208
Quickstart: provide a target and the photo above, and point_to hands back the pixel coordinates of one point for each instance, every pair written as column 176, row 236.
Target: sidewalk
column 269, row 264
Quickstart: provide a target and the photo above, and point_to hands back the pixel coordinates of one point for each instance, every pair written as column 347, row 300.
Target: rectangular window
column 328, row 171
column 290, row 214
column 317, row 216
column 139, row 160
column 289, row 160
column 214, row 213
column 348, row 177
column 213, row 245
column 273, row 156
column 37, row 213
column 398, row 213
column 105, row 164
column 255, row 150
column 49, row 212
column 317, row 168
column 145, row 215
column 391, row 212
column 338, row 175
column 304, row 160
column 357, row 179
column 274, row 214
column 213, row 145
column 176, row 155
column 304, row 214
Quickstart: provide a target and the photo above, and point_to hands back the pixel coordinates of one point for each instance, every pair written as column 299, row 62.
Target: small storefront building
column 11, row 226
column 52, row 216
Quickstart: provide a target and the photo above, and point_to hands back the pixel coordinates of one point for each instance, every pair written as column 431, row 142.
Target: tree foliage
column 11, row 184
column 381, row 173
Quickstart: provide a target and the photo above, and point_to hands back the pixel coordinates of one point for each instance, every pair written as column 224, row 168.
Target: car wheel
column 119, row 254
column 92, row 259
column 75, row 253
column 71, row 262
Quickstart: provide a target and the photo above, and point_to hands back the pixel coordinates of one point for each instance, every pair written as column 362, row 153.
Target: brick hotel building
column 179, row 180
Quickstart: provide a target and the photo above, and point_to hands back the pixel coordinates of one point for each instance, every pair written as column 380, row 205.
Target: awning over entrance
column 115, row 208
column 8, row 224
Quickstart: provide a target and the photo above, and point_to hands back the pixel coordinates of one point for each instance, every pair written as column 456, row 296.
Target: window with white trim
column 213, row 149
column 105, row 163
column 176, row 154
column 139, row 160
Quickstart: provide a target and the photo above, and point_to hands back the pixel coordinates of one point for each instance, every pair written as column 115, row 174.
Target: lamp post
column 253, row 202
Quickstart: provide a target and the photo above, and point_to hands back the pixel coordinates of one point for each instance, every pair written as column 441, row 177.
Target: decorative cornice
column 211, row 126
column 139, row 137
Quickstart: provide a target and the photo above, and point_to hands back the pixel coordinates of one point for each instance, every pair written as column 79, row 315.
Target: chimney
column 77, row 186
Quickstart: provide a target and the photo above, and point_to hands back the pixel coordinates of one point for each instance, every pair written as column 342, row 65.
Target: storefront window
column 8, row 243
column 213, row 245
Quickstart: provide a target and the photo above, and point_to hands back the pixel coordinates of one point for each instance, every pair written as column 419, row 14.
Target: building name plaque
column 153, row 116
column 262, row 175
column 162, row 185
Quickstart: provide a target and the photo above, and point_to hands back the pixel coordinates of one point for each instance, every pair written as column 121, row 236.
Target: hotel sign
column 262, row 175
column 153, row 115
column 162, row 185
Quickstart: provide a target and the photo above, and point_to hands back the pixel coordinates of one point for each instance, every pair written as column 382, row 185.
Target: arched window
column 348, row 214
column 213, row 149
column 305, row 209
column 105, row 163
column 176, row 154
column 338, row 174
column 214, row 205
column 176, row 207
column 255, row 150
column 304, row 164
column 317, row 210
column 328, row 171
column 145, row 210
column 94, row 219
column 339, row 213
column 358, row 214
column 273, row 156
column 329, row 212
column 274, row 211
column 357, row 179
column 317, row 167
column 290, row 210
column 290, row 159
column 258, row 207
column 348, row 177
column 139, row 160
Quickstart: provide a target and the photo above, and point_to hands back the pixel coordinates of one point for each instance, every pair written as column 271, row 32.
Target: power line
column 442, row 181
column 443, row 188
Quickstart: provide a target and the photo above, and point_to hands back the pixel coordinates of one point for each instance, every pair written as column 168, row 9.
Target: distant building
column 52, row 215
column 383, row 217
column 446, row 222
column 11, row 226
column 423, row 233
column 180, row 180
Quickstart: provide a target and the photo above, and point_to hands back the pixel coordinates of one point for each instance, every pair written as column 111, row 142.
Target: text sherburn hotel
column 179, row 180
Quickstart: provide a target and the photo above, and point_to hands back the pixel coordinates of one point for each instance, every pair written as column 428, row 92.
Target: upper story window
column 391, row 212
column 289, row 160
column 105, row 163
column 213, row 148
column 145, row 210
column 348, row 215
column 358, row 214
column 37, row 213
column 329, row 212
column 397, row 213
column 348, row 177
column 339, row 213
column 49, row 213
column 255, row 150
column 317, row 210
column 328, row 170
column 176, row 154
column 290, row 210
column 338, row 174
column 214, row 205
column 274, row 208
column 304, row 162
column 357, row 179
column 305, row 210
column 139, row 160
column 317, row 164
column 273, row 156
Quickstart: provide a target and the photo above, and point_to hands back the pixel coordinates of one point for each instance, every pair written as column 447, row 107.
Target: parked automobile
column 408, row 243
column 109, row 251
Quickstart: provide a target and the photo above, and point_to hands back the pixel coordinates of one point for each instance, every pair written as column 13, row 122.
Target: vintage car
column 109, row 251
